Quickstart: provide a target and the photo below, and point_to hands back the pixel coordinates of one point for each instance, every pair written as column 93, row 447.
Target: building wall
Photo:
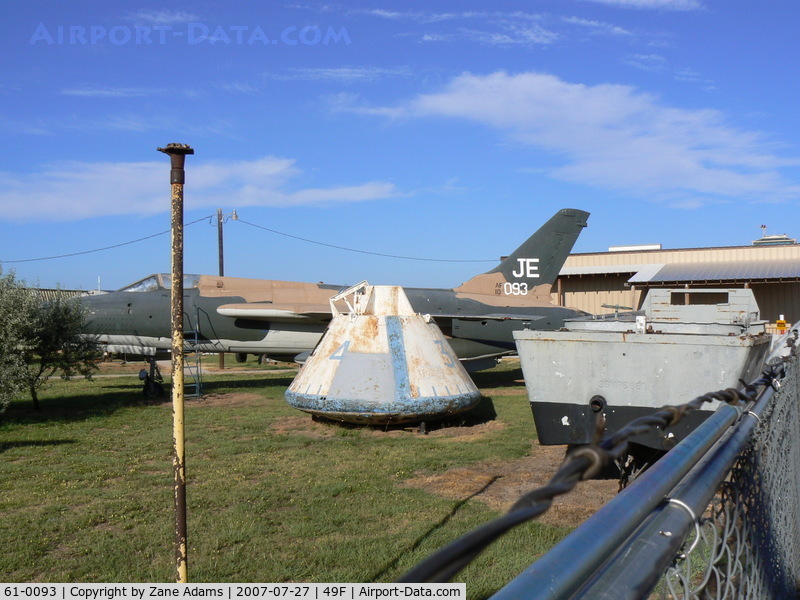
column 689, row 255
column 590, row 291
column 779, row 298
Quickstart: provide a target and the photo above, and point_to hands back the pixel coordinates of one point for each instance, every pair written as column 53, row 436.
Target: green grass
column 86, row 488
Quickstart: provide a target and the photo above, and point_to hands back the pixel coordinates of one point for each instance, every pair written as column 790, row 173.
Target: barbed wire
column 582, row 463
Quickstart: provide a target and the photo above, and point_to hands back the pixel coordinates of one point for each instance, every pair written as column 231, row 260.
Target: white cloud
column 17, row 126
column 74, row 190
column 424, row 17
column 111, row 92
column 346, row 102
column 434, row 17
column 163, row 17
column 240, row 87
column 614, row 136
column 654, row 4
column 654, row 63
column 343, row 74
column 494, row 28
column 512, row 35
column 597, row 26
column 438, row 37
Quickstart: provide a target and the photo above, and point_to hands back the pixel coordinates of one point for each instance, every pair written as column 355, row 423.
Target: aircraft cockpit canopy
column 189, row 281
column 160, row 281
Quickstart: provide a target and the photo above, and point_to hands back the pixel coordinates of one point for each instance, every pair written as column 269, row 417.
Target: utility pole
column 177, row 154
column 219, row 237
column 220, row 221
column 221, row 270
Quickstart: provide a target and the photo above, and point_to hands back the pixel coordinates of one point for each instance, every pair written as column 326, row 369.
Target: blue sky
column 437, row 130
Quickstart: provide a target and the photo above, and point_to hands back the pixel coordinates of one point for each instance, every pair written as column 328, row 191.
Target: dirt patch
column 117, row 367
column 439, row 430
column 238, row 399
column 304, row 425
column 500, row 483
column 465, row 434
column 248, row 370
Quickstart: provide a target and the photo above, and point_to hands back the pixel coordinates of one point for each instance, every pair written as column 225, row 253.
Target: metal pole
column 219, row 237
column 177, row 154
column 221, row 269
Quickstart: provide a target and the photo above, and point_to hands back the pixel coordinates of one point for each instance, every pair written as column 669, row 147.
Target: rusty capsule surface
column 380, row 363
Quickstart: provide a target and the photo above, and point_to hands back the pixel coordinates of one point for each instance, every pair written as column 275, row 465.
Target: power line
column 25, row 260
column 240, row 220
column 295, row 237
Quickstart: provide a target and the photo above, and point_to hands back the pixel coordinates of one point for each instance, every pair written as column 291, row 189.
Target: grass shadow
column 250, row 382
column 499, row 378
column 33, row 444
column 482, row 413
column 76, row 406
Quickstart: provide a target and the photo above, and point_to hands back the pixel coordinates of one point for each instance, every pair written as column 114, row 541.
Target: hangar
column 599, row 281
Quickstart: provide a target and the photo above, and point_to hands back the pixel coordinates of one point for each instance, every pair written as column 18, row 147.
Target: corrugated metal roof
column 647, row 272
column 720, row 271
column 750, row 248
column 49, row 294
column 601, row 269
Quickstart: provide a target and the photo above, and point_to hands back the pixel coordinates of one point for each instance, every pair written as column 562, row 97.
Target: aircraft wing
column 493, row 329
column 278, row 313
column 489, row 317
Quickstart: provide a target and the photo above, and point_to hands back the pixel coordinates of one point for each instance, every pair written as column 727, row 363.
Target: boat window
column 148, row 284
column 698, row 298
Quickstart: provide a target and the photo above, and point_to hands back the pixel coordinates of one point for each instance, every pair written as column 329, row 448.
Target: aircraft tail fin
column 533, row 267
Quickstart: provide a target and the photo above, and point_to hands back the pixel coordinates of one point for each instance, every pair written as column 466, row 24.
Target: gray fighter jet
column 284, row 320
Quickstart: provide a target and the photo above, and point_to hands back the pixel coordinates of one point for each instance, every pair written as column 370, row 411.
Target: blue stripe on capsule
column 397, row 351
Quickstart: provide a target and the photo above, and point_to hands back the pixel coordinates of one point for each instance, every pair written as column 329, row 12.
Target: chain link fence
column 749, row 545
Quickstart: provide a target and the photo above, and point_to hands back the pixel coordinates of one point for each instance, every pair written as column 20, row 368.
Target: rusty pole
column 177, row 154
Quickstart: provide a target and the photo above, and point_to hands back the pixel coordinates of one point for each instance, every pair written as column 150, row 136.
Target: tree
column 45, row 338
column 15, row 304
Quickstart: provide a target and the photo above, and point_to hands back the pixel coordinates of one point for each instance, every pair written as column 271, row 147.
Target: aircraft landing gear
column 153, row 382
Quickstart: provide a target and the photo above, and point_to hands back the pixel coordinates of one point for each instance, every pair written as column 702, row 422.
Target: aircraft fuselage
column 285, row 319
column 133, row 320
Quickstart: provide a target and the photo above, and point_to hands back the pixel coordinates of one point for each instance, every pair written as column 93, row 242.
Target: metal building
column 599, row 281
